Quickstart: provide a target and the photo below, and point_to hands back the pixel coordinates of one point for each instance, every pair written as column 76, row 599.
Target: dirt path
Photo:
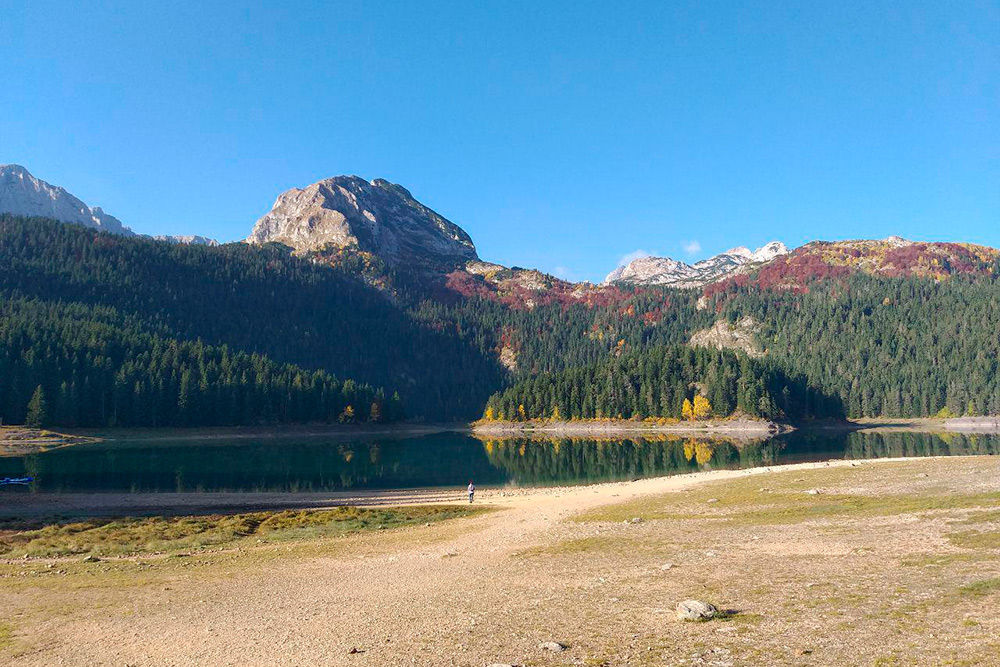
column 490, row 589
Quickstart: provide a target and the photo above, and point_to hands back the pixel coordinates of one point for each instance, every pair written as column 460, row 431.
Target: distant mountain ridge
column 892, row 257
column 188, row 240
column 344, row 218
column 21, row 193
column 674, row 273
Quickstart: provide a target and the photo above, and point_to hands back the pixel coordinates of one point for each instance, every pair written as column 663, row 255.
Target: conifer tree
column 37, row 410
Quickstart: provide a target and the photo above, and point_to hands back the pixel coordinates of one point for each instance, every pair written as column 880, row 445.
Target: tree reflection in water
column 443, row 459
column 580, row 460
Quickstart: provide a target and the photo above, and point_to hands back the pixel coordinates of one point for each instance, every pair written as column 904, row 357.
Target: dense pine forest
column 676, row 382
column 99, row 329
column 908, row 347
column 70, row 365
column 257, row 301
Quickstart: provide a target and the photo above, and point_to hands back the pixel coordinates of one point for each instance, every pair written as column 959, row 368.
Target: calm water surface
column 446, row 459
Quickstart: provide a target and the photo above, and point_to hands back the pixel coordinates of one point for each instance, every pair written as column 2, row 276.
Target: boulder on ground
column 695, row 610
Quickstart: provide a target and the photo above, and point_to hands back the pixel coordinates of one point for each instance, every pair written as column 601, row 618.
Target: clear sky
column 560, row 135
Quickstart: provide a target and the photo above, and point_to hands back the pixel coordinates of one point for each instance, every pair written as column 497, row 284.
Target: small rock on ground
column 695, row 610
column 555, row 647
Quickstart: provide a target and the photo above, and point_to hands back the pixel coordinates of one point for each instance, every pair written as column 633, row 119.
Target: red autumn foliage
column 468, row 285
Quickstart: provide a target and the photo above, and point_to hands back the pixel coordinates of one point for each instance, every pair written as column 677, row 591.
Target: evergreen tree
column 37, row 410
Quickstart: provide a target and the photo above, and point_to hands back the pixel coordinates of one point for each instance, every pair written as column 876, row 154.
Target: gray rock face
column 377, row 217
column 673, row 273
column 726, row 336
column 23, row 194
column 695, row 610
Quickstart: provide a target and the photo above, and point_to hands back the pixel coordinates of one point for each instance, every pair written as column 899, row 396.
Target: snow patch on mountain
column 188, row 240
column 674, row 273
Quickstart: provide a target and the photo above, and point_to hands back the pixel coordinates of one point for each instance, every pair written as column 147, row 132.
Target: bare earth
column 889, row 563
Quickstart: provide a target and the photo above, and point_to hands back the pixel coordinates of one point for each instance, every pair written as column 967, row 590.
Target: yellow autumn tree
column 687, row 411
column 690, row 447
column 702, row 408
column 703, row 453
column 348, row 414
column 490, row 414
column 520, row 411
column 555, row 414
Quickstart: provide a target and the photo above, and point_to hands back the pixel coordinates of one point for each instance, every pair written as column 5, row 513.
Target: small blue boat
column 24, row 481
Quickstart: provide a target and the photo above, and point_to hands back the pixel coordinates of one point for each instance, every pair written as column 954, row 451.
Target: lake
column 310, row 464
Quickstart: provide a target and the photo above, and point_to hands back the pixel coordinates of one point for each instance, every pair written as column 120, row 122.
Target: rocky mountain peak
column 769, row 251
column 674, row 273
column 23, row 194
column 375, row 216
column 650, row 270
column 187, row 239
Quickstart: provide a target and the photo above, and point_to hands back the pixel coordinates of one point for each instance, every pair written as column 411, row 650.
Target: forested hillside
column 135, row 331
column 72, row 365
column 253, row 300
column 861, row 344
column 675, row 382
column 906, row 347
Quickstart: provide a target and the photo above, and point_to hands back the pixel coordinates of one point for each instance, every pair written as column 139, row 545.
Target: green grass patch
column 981, row 517
column 6, row 635
column 981, row 587
column 974, row 539
column 169, row 534
column 783, row 498
column 942, row 560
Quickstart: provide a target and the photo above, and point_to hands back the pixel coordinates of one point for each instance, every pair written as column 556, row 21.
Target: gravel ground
column 887, row 563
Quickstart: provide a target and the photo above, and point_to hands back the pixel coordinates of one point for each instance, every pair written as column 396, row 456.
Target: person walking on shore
column 472, row 490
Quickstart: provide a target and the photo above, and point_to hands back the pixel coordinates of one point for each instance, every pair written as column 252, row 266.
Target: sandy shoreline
column 823, row 563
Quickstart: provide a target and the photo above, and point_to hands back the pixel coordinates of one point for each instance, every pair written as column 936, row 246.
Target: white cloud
column 632, row 256
column 692, row 247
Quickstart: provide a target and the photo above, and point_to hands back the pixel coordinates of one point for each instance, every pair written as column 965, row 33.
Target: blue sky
column 560, row 135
